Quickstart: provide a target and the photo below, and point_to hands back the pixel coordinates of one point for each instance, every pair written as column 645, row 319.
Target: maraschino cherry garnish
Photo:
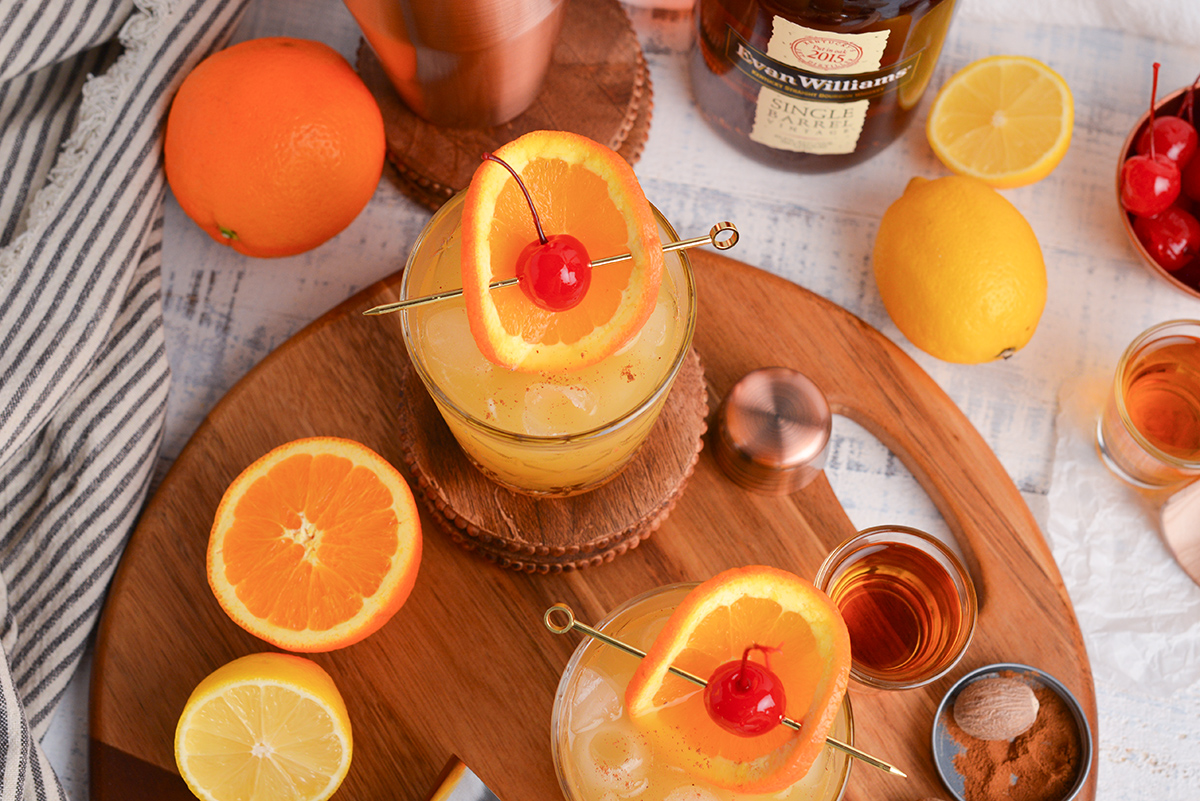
column 1172, row 238
column 1172, row 137
column 1191, row 179
column 1149, row 183
column 555, row 271
column 744, row 697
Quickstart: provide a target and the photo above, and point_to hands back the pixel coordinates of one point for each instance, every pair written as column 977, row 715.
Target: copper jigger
column 773, row 429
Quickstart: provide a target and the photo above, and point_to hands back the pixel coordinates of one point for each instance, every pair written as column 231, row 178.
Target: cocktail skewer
column 570, row 623
column 721, row 236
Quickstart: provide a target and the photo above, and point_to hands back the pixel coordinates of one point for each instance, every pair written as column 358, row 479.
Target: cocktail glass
column 553, row 434
column 598, row 753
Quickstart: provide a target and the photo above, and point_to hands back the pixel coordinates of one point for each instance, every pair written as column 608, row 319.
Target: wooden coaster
column 549, row 535
column 598, row 86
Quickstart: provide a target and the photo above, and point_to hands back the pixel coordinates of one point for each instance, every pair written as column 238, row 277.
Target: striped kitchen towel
column 85, row 86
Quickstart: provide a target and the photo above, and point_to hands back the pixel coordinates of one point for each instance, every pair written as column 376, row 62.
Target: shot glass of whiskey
column 1149, row 432
column 908, row 602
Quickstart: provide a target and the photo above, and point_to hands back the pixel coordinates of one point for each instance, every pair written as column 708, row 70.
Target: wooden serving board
column 466, row 666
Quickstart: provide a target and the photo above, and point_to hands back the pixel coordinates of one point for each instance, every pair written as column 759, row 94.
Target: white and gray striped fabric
column 85, row 86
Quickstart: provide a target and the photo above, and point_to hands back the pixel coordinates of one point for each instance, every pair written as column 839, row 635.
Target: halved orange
column 316, row 545
column 581, row 188
column 714, row 624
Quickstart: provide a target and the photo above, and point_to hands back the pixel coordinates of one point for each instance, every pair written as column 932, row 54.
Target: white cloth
column 85, row 86
column 1176, row 21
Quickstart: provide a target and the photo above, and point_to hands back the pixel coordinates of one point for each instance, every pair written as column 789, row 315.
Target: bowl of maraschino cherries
column 1158, row 187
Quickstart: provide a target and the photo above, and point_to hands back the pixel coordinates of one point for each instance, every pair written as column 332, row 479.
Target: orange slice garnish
column 316, row 545
column 581, row 188
column 713, row 625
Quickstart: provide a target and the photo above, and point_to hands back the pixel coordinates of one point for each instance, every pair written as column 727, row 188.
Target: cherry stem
column 1153, row 93
column 536, row 222
column 1189, row 98
column 743, row 683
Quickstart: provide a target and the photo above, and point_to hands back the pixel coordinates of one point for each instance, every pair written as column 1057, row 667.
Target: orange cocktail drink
column 547, row 432
column 600, row 754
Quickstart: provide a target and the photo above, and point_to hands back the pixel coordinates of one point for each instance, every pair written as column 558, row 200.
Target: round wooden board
column 545, row 535
column 598, row 85
column 466, row 666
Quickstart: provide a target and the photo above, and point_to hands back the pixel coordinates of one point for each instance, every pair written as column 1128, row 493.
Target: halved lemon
column 713, row 625
column 1005, row 120
column 581, row 188
column 264, row 726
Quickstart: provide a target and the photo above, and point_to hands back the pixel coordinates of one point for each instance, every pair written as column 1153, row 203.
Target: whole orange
column 274, row 145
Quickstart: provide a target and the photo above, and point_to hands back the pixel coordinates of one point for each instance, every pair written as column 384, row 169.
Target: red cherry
column 555, row 275
column 1190, row 179
column 1149, row 184
column 744, row 697
column 1172, row 238
column 1173, row 137
column 554, row 272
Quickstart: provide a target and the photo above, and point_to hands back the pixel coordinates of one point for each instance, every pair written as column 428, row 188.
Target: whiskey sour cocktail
column 600, row 754
column 548, row 432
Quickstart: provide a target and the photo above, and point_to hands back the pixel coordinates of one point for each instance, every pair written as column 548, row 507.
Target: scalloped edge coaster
column 550, row 535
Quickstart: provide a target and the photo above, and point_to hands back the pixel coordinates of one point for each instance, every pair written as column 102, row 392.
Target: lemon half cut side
column 267, row 726
column 1005, row 120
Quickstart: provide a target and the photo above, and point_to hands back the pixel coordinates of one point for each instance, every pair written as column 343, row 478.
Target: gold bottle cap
column 772, row 431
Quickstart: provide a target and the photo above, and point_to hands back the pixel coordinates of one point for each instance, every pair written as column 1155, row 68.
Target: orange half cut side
column 316, row 545
column 579, row 187
column 713, row 625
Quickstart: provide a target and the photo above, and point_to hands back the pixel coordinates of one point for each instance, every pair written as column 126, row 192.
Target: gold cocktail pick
column 570, row 623
column 721, row 236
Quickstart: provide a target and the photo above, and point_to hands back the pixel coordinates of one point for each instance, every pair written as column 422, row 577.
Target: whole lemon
column 960, row 270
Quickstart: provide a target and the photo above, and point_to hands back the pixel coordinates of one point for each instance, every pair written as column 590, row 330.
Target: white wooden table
column 224, row 313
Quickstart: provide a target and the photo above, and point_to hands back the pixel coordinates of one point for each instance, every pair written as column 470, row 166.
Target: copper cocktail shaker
column 463, row 63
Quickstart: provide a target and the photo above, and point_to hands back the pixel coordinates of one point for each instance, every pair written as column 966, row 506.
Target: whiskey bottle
column 814, row 85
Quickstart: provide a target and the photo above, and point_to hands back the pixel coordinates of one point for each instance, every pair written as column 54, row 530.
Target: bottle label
column 815, row 85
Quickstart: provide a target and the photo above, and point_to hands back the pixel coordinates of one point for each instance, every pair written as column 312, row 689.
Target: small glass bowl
column 1187, row 279
column 865, row 555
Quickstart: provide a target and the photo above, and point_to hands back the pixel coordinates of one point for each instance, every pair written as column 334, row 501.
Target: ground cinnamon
column 1039, row 765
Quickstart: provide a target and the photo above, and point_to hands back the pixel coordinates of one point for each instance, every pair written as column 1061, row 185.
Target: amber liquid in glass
column 1162, row 396
column 743, row 50
column 902, row 610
